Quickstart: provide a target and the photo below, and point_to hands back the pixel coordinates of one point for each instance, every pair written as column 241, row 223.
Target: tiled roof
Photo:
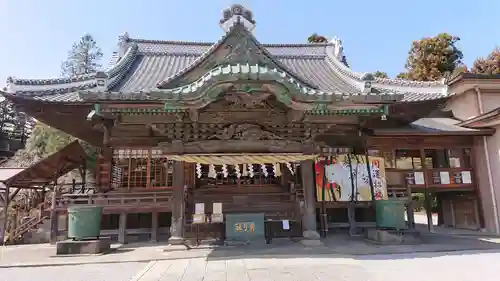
column 140, row 65
column 433, row 125
column 254, row 72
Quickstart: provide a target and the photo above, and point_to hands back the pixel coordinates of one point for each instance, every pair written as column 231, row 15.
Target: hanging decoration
column 250, row 170
column 242, row 159
column 224, row 170
column 277, row 170
column 211, row 171
column 237, row 171
column 263, row 168
column 289, row 166
column 245, row 170
column 198, row 170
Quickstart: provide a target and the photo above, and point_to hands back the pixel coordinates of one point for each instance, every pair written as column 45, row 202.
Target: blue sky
column 36, row 35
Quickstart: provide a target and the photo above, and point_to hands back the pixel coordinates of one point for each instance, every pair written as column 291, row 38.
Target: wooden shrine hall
column 195, row 136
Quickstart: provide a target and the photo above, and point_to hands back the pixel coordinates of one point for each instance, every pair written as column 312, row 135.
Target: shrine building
column 192, row 133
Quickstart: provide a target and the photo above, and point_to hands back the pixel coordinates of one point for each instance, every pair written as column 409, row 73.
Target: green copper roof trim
column 133, row 109
column 341, row 112
column 232, row 73
column 97, row 108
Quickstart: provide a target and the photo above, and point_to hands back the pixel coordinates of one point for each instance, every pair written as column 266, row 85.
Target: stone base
column 178, row 247
column 311, row 242
column 311, row 238
column 85, row 247
column 176, row 244
column 393, row 237
column 176, row 240
column 243, row 242
column 311, row 234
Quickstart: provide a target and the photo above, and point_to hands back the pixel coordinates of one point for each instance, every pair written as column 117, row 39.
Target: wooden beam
column 6, row 216
column 235, row 146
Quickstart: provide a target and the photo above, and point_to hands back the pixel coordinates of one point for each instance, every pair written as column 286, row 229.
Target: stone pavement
column 457, row 266
column 335, row 246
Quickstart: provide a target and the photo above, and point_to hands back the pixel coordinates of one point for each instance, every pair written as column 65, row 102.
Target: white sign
column 217, row 208
column 466, row 177
column 445, row 177
column 285, row 224
column 199, row 208
column 419, row 178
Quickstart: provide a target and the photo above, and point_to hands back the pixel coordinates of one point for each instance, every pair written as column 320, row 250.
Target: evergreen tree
column 489, row 65
column 433, row 58
column 380, row 74
column 315, row 38
column 83, row 58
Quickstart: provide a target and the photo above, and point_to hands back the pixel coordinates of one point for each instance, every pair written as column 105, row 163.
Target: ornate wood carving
column 236, row 146
column 249, row 132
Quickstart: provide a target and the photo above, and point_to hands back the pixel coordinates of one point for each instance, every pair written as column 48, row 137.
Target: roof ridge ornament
column 338, row 48
column 123, row 41
column 237, row 14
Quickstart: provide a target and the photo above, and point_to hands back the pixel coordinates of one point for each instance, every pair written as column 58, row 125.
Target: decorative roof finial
column 123, row 41
column 237, row 14
column 338, row 49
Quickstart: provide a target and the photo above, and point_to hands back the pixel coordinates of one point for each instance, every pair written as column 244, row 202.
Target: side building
column 245, row 127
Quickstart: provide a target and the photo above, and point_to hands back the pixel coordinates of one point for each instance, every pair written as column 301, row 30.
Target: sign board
column 199, row 208
column 199, row 218
column 217, row 208
column 245, row 227
column 217, row 218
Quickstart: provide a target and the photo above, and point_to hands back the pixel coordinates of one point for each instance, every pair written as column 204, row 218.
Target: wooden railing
column 121, row 200
column 32, row 223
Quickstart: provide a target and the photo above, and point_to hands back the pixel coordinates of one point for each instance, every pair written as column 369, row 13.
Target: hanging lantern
column 198, row 170
column 250, row 170
column 211, row 171
column 224, row 170
column 289, row 166
column 263, row 168
column 245, row 170
column 237, row 171
column 276, row 170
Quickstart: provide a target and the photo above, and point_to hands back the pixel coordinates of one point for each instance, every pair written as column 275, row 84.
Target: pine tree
column 315, row 38
column 380, row 74
column 83, row 58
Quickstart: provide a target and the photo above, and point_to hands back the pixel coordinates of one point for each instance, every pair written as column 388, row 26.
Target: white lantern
column 263, row 168
column 198, row 170
column 224, row 170
column 237, row 171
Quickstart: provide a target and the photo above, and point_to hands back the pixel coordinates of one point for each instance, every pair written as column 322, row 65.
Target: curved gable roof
column 146, row 65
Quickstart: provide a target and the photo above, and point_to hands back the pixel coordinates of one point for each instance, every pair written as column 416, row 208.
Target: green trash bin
column 390, row 214
column 84, row 222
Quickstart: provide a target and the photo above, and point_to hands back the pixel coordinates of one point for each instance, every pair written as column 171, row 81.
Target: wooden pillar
column 427, row 194
column 477, row 218
column 409, row 208
column 309, row 223
column 6, row 215
column 452, row 211
column 54, row 219
column 176, row 228
column 122, row 226
column 154, row 226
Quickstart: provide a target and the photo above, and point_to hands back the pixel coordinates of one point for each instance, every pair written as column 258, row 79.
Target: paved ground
column 439, row 257
column 409, row 267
